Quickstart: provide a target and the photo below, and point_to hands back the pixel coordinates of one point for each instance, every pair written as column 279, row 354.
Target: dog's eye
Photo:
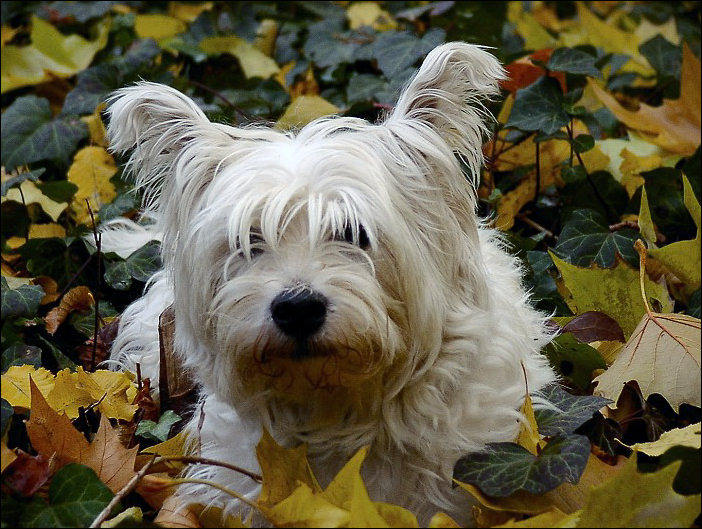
column 255, row 244
column 363, row 241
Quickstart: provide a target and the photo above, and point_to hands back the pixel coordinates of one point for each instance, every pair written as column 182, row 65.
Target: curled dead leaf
column 77, row 299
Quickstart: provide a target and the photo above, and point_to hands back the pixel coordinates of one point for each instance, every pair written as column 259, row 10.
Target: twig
column 206, row 461
column 218, row 95
column 98, row 245
column 613, row 218
column 97, row 522
column 536, row 226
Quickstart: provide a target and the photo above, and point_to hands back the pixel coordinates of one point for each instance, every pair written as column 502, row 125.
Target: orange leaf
column 675, row 125
column 51, row 433
column 112, row 462
column 524, row 72
column 76, row 299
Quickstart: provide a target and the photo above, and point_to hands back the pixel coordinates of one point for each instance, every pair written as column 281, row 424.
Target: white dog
column 333, row 285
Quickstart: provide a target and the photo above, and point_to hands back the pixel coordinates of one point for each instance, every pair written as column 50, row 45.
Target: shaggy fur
column 428, row 331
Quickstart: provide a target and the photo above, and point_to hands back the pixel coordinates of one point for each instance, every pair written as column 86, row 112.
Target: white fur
column 429, row 331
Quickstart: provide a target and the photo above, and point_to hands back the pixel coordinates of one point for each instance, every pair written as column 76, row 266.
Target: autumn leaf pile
column 593, row 173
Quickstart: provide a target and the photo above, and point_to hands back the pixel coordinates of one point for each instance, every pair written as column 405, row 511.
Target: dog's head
column 304, row 263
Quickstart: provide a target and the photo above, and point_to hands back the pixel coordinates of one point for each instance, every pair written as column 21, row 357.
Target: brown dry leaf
column 112, row 462
column 27, row 473
column 51, row 292
column 157, row 490
column 663, row 356
column 77, row 299
column 174, row 513
column 51, row 433
column 675, row 125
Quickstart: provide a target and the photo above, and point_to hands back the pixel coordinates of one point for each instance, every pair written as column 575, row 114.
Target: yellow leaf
column 646, row 228
column 552, row 518
column 253, row 61
column 684, row 258
column 663, row 356
column 304, row 508
column 647, row 30
column 45, row 231
column 188, row 12
column 442, row 521
column 33, row 195
column 675, row 125
column 66, row 397
column 175, row 446
column 529, row 432
column 688, row 436
column 606, row 35
column 521, row 502
column 127, row 516
column 7, row 34
column 614, row 291
column 96, row 127
column 282, row 470
column 535, row 37
column 266, row 35
column 50, row 54
column 16, row 386
column 156, row 26
column 634, row 499
column 304, row 109
column 7, row 456
column 116, row 389
column 369, row 14
column 91, row 171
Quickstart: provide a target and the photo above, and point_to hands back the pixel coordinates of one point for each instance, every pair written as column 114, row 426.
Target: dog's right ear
column 156, row 123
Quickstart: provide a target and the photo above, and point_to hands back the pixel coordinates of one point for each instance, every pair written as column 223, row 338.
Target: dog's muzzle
column 299, row 313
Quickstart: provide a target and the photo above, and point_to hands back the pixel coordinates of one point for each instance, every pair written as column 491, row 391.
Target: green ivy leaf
column 665, row 57
column 583, row 143
column 21, row 354
column 396, row 51
column 29, row 134
column 17, row 180
column 76, row 497
column 140, row 265
column 574, row 360
column 20, row 302
column 538, row 107
column 158, row 431
column 693, row 304
column 586, row 239
column 573, row 411
column 574, row 61
column 507, row 467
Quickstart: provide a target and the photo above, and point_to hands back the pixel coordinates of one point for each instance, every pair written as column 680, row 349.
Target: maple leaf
column 675, row 125
column 53, row 434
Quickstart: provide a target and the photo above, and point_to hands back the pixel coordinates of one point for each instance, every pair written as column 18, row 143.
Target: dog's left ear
column 444, row 100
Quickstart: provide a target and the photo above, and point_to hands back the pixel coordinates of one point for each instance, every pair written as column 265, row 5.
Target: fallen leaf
column 17, row 382
column 91, row 171
column 188, row 12
column 31, row 194
column 45, row 231
column 157, row 26
column 8, row 456
column 613, row 291
column 361, row 14
column 534, row 35
column 26, row 473
column 112, row 462
column 675, row 125
column 552, row 518
column 683, row 258
column 529, row 432
column 304, row 109
column 50, row 54
column 523, row 71
column 77, row 299
column 592, row 326
column 688, row 436
column 174, row 514
column 96, row 127
column 663, row 356
column 66, row 397
column 253, row 61
column 442, row 521
column 635, row 499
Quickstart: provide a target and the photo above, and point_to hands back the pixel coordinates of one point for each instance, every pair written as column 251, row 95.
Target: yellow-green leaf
column 91, row 171
column 634, row 499
column 156, row 26
column 684, row 258
column 688, row 436
column 304, row 109
column 614, row 291
column 252, row 60
column 369, row 14
column 646, row 222
column 50, row 54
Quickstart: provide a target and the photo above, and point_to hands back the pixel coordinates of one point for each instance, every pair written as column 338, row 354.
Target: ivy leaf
column 507, row 467
column 586, row 239
column 574, row 61
column 20, row 302
column 140, row 265
column 29, row 134
column 158, row 431
column 76, row 497
column 574, row 360
column 573, row 411
column 664, row 56
column 17, row 180
column 539, row 108
column 398, row 50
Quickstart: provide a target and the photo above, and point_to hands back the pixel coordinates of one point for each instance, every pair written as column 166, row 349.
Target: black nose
column 299, row 313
